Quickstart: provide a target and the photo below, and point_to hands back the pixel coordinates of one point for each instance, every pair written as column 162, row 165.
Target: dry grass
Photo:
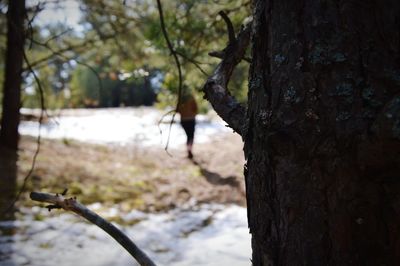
column 132, row 177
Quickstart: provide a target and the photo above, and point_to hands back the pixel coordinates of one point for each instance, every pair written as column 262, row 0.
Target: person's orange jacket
column 188, row 109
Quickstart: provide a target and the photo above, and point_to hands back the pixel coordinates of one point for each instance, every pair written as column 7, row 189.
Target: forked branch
column 70, row 204
column 216, row 87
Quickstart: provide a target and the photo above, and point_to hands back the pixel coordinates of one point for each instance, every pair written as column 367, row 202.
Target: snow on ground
column 207, row 234
column 123, row 126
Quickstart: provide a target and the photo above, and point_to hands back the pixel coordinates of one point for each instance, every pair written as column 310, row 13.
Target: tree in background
column 321, row 131
column 13, row 70
column 107, row 87
column 11, row 103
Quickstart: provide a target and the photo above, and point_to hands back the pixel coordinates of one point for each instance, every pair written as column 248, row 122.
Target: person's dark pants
column 188, row 126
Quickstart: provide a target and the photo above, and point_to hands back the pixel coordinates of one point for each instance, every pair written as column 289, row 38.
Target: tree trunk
column 11, row 103
column 8, row 183
column 12, row 82
column 322, row 141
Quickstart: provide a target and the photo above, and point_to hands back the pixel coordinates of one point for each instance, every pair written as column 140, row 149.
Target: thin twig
column 159, row 127
column 194, row 62
column 58, row 35
column 39, row 137
column 60, row 54
column 169, row 133
column 60, row 202
column 178, row 65
column 38, row 9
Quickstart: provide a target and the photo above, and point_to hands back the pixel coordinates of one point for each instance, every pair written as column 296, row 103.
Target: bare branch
column 231, row 31
column 178, row 65
column 194, row 62
column 217, row 54
column 172, row 50
column 54, row 37
column 37, row 9
column 216, row 87
column 60, row 202
column 68, row 48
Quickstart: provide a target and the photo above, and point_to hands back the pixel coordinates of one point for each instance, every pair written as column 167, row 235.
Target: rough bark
column 13, row 68
column 323, row 140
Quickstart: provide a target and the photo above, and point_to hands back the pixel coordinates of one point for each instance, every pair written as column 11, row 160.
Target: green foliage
column 78, row 68
column 194, row 28
column 106, row 87
column 84, row 87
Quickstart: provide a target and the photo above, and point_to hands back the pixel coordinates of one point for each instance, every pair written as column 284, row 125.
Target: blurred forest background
column 100, row 65
column 113, row 53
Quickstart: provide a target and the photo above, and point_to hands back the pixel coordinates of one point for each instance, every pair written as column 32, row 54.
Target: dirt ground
column 131, row 177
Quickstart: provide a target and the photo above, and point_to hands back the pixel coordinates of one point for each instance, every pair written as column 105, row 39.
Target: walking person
column 188, row 111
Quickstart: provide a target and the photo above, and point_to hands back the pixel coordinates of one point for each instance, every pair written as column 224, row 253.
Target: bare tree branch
column 60, row 202
column 36, row 10
column 172, row 50
column 178, row 65
column 229, row 25
column 194, row 62
column 217, row 54
column 54, row 37
column 68, row 48
column 216, row 87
